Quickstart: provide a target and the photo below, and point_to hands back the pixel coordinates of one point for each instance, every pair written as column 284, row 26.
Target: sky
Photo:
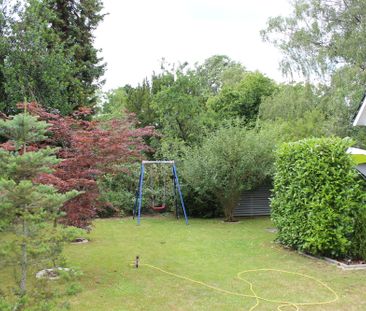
column 137, row 34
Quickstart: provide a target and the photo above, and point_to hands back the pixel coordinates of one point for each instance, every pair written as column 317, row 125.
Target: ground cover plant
column 211, row 251
column 318, row 201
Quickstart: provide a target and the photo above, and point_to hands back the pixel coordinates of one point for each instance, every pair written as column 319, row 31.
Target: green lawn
column 209, row 251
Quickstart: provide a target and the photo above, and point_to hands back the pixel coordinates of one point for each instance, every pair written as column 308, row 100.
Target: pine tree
column 75, row 21
column 47, row 54
column 27, row 209
column 36, row 64
column 2, row 50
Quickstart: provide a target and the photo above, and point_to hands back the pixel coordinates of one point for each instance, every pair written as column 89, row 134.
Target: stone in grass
column 348, row 264
column 51, row 274
column 79, row 241
column 272, row 230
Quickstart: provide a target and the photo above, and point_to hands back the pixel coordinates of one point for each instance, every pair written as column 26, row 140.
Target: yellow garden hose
column 282, row 303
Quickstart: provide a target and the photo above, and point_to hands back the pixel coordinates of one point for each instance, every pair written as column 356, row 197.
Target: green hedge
column 318, row 203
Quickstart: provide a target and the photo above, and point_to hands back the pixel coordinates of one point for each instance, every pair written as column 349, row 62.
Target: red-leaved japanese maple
column 89, row 149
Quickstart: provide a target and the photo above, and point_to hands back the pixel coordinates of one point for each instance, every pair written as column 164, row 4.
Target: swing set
column 163, row 206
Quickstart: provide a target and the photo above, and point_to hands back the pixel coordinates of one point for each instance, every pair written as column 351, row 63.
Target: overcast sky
column 137, row 34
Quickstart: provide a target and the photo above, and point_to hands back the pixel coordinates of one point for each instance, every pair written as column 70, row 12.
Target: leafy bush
column 229, row 161
column 318, row 202
column 119, row 189
column 71, row 233
column 358, row 248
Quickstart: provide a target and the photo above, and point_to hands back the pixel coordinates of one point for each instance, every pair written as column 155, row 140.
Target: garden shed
column 254, row 202
column 360, row 118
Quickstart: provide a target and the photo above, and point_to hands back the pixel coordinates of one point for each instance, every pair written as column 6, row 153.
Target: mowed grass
column 209, row 251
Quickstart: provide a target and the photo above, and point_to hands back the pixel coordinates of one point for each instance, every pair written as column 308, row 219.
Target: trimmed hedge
column 318, row 204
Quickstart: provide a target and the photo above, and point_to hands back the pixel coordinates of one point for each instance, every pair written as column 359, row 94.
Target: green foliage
column 119, row 190
column 47, row 54
column 27, row 208
column 71, row 233
column 139, row 102
column 319, row 36
column 5, row 19
column 299, row 111
column 4, row 305
column 217, row 71
column 229, row 161
column 179, row 107
column 313, row 123
column 31, row 68
column 74, row 22
column 318, row 198
column 73, row 289
column 18, row 166
column 115, row 105
column 242, row 99
column 23, row 128
column 358, row 247
column 185, row 104
column 175, row 101
column 288, row 102
column 46, row 295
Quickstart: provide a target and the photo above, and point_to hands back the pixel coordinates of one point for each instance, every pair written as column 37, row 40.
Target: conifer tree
column 27, row 209
column 74, row 22
column 47, row 53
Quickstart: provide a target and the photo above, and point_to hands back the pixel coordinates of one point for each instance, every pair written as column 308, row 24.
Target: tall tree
column 114, row 105
column 4, row 28
column 178, row 107
column 47, row 54
column 320, row 36
column 217, row 71
column 289, row 102
column 36, row 64
column 325, row 39
column 139, row 102
column 243, row 98
column 74, row 21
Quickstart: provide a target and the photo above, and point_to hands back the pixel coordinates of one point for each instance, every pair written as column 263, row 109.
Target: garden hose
column 282, row 303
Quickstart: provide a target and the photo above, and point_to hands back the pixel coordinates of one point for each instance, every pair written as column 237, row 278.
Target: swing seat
column 158, row 208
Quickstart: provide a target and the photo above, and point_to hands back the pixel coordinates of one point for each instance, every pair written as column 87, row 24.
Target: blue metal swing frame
column 138, row 201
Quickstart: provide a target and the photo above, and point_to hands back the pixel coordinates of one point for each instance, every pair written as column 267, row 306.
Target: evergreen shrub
column 318, row 202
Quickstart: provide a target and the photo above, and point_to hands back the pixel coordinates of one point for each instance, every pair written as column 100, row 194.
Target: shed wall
column 254, row 202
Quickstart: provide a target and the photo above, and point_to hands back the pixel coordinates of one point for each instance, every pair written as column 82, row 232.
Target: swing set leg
column 135, row 206
column 134, row 211
column 180, row 193
column 175, row 198
column 140, row 193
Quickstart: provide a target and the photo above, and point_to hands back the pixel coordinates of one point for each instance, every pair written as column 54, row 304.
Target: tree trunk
column 229, row 205
column 24, row 260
